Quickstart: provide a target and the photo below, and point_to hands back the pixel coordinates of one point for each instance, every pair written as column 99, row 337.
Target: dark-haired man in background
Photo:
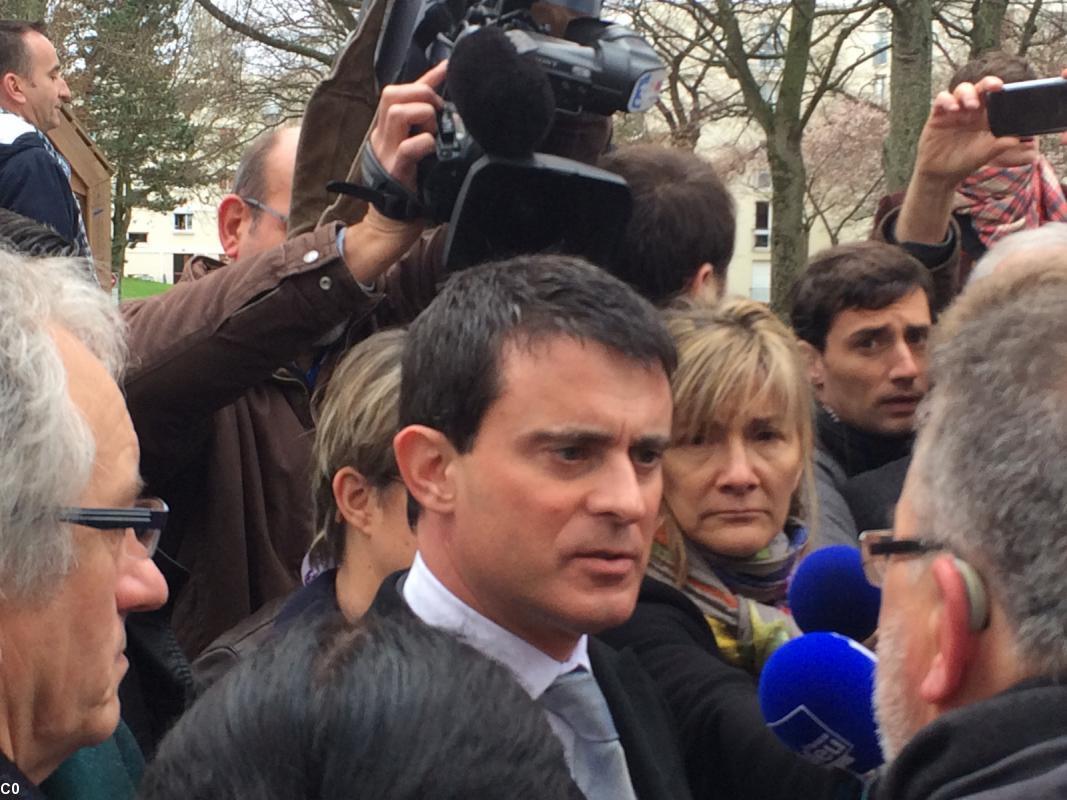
column 34, row 177
column 862, row 313
column 680, row 237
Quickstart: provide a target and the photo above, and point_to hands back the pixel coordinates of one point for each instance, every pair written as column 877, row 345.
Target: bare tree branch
column 259, row 36
column 1029, row 28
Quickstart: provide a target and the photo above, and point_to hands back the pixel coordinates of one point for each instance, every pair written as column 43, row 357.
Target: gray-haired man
column 75, row 534
column 973, row 629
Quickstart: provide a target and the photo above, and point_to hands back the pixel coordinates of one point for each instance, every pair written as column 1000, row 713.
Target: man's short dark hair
column 451, row 366
column 861, row 275
column 14, row 55
column 251, row 177
column 25, row 235
column 1009, row 68
column 683, row 217
column 387, row 708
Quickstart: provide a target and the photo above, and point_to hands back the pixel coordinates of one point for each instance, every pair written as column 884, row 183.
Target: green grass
column 132, row 288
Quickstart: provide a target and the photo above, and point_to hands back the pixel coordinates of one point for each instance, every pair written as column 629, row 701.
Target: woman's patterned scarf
column 743, row 599
column 1003, row 200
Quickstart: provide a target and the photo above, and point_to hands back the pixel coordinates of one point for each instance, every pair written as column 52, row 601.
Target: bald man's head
column 253, row 218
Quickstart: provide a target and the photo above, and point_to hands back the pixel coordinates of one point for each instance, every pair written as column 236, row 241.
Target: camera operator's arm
column 955, row 141
column 201, row 345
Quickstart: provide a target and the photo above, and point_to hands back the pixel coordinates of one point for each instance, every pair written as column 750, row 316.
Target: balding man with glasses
column 970, row 694
column 76, row 537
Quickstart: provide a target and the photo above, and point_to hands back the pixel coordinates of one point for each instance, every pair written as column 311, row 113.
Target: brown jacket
column 225, row 422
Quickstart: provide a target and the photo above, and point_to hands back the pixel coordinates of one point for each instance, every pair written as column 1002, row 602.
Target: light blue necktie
column 575, row 705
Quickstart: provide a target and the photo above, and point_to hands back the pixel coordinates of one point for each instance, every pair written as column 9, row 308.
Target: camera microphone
column 505, row 100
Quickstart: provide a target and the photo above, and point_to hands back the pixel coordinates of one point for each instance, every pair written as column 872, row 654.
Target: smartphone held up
column 1028, row 108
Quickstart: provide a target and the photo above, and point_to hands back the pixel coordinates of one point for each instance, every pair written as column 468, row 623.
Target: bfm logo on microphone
column 822, row 745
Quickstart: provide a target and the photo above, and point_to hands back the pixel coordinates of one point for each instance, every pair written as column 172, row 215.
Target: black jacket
column 31, row 182
column 730, row 754
column 1012, row 746
column 644, row 724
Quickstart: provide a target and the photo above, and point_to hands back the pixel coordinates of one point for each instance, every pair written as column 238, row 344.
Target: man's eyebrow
column 571, row 436
column 652, row 442
column 865, row 332
column 918, row 328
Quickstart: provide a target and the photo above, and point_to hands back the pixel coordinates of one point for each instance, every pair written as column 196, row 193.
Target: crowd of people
column 328, row 520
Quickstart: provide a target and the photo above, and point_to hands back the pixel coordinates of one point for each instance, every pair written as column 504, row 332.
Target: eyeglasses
column 260, row 206
column 877, row 546
column 147, row 518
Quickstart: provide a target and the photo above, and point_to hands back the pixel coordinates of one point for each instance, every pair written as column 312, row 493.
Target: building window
column 768, row 90
column 763, row 179
column 183, row 221
column 762, row 232
column 880, row 88
column 761, row 282
column 770, row 63
column 134, row 238
column 881, row 42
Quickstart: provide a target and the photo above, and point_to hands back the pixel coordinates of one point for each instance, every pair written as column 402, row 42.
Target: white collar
column 12, row 126
column 435, row 605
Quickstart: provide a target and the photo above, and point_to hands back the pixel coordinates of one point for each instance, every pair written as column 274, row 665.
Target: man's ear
column 814, row 360
column 354, row 498
column 953, row 632
column 705, row 285
column 11, row 89
column 423, row 456
column 234, row 217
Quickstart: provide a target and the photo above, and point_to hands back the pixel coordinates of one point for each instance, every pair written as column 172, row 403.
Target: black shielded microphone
column 514, row 201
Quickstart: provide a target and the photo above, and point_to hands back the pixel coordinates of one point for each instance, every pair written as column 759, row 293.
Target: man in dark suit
column 535, row 408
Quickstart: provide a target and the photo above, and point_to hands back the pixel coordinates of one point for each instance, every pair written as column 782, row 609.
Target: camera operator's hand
column 406, row 124
column 403, row 134
column 955, row 141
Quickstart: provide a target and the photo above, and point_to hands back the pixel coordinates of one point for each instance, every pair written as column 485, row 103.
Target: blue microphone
column 829, row 592
column 816, row 695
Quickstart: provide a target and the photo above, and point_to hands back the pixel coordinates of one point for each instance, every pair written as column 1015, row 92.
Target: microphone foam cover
column 504, row 99
column 816, row 695
column 829, row 592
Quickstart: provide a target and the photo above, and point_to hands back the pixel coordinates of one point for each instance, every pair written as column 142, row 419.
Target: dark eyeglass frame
column 876, row 547
column 259, row 205
column 147, row 518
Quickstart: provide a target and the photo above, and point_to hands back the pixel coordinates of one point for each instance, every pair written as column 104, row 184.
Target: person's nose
column 64, row 91
column 141, row 586
column 623, row 493
column 735, row 474
column 906, row 365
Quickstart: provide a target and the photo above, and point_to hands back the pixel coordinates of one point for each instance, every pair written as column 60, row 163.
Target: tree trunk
column 909, row 88
column 31, row 10
column 120, row 222
column 988, row 25
column 789, row 237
